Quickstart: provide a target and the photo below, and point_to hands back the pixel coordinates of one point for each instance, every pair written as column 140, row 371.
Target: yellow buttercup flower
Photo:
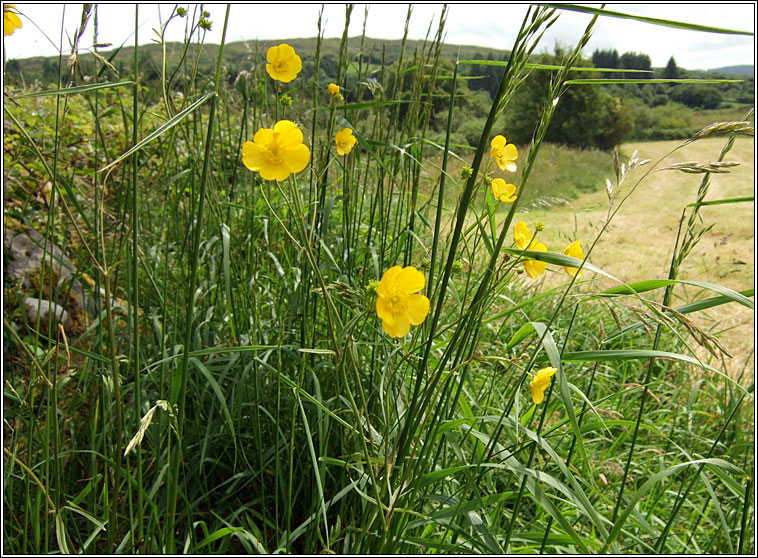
column 504, row 153
column 398, row 305
column 345, row 141
column 535, row 268
column 522, row 235
column 11, row 21
column 283, row 63
column 540, row 383
column 277, row 153
column 575, row 251
column 502, row 191
column 333, row 89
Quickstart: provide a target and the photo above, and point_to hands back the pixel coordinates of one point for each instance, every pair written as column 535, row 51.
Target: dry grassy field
column 640, row 240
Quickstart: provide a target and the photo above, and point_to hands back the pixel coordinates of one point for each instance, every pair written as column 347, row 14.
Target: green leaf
column 75, row 90
column 552, row 67
column 685, row 309
column 653, row 20
column 724, row 201
column 640, row 354
column 548, row 343
column 219, row 394
column 435, row 476
column 591, row 81
column 652, row 284
column 491, row 207
column 523, row 332
column 163, row 129
column 559, row 259
column 651, row 482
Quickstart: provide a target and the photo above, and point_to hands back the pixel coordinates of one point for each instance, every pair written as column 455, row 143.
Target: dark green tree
column 671, row 71
column 696, row 96
column 606, row 59
column 586, row 116
column 635, row 61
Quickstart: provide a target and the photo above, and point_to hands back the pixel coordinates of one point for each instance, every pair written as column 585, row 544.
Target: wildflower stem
column 177, row 456
column 134, row 306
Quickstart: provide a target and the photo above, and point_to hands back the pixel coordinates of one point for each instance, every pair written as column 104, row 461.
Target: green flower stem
column 510, row 77
column 342, row 357
column 443, row 179
column 177, row 456
column 533, row 448
column 134, row 306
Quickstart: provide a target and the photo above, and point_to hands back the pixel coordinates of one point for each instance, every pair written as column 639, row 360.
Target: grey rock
column 25, row 253
column 45, row 311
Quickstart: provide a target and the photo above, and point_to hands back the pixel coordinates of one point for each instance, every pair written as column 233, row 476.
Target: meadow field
column 346, row 313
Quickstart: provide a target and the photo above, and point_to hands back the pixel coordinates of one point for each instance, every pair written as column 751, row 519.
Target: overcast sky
column 490, row 25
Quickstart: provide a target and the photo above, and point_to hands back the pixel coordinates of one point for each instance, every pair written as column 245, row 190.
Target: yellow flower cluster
column 279, row 152
column 523, row 238
column 11, row 21
column 504, row 154
column 275, row 153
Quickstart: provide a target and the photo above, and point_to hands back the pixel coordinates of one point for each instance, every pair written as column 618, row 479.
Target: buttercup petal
column 387, row 284
column 574, row 250
column 281, row 172
column 497, row 142
column 410, row 280
column 272, row 54
column 418, row 308
column 253, row 156
column 291, row 137
column 383, row 310
column 535, row 268
column 286, row 51
column 298, row 158
column 264, row 136
column 540, row 383
column 510, row 152
column 399, row 328
column 521, row 235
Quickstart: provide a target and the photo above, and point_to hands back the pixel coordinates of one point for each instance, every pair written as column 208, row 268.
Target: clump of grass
column 255, row 397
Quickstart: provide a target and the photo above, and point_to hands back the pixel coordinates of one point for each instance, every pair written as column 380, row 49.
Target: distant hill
column 241, row 55
column 744, row 70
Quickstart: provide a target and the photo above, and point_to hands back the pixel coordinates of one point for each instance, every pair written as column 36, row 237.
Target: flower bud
column 371, row 288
